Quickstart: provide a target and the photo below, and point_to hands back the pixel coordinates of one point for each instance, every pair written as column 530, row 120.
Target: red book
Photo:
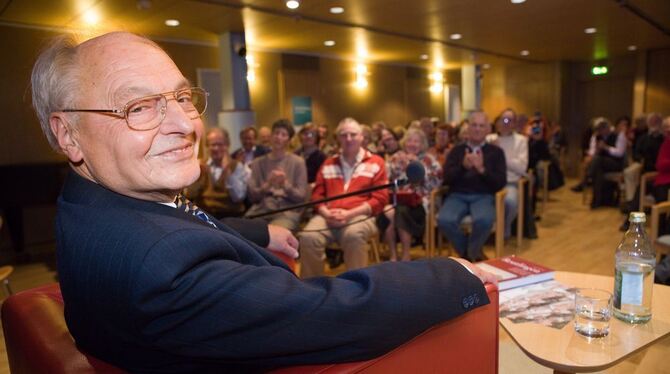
column 515, row 272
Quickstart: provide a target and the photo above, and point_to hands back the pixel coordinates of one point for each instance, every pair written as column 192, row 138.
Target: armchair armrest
column 500, row 221
column 466, row 344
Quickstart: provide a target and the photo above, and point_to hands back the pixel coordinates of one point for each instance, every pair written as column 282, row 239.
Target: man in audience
column 249, row 150
column 474, row 172
column 222, row 184
column 151, row 283
column 348, row 221
column 515, row 147
column 264, row 137
column 310, row 152
column 607, row 148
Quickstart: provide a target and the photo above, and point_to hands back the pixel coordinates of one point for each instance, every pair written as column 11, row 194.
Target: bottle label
column 631, row 288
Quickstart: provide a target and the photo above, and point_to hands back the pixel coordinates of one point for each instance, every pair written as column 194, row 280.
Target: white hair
column 348, row 121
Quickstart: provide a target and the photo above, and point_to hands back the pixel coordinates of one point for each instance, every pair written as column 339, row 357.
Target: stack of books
column 515, row 272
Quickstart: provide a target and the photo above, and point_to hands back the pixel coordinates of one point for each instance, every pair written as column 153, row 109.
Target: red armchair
column 38, row 341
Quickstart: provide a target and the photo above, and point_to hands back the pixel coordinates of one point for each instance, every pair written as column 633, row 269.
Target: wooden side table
column 566, row 351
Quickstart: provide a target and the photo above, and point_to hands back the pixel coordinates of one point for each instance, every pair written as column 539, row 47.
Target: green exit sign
column 599, row 70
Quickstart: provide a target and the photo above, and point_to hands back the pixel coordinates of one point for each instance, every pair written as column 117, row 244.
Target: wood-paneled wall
column 657, row 93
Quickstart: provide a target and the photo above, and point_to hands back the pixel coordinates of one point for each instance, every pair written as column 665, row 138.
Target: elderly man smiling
column 153, row 284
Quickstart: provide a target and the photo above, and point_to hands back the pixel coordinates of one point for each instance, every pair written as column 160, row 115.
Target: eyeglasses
column 147, row 113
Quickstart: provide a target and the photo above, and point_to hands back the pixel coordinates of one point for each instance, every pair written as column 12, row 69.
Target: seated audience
column 149, row 287
column 442, row 143
column 278, row 179
column 408, row 218
column 310, row 152
column 249, row 150
column 222, row 184
column 515, row 147
column 348, row 221
column 474, row 172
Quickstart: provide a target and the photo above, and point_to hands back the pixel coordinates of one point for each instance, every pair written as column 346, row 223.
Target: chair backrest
column 38, row 341
column 37, row 338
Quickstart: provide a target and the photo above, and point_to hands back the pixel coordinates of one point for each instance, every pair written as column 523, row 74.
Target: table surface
column 565, row 350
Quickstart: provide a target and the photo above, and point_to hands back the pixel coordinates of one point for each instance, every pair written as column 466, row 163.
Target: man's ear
column 65, row 137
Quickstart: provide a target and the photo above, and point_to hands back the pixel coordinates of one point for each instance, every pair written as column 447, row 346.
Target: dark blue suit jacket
column 152, row 289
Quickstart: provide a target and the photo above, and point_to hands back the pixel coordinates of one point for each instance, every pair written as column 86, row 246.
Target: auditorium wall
column 657, row 93
column 395, row 93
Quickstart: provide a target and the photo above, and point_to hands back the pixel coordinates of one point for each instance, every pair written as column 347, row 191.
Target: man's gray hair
column 56, row 77
column 347, row 121
column 54, row 81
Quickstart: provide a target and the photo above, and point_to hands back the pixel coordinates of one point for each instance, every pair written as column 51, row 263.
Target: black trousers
column 600, row 165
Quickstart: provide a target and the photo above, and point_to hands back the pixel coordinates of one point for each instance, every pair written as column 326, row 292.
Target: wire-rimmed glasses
column 147, row 113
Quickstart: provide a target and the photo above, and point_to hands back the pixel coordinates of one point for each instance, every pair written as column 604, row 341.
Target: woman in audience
column 408, row 218
column 442, row 143
column 278, row 179
column 310, row 152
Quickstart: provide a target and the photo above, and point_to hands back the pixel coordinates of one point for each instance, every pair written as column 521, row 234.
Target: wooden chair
column 661, row 244
column 645, row 200
column 436, row 197
column 5, row 272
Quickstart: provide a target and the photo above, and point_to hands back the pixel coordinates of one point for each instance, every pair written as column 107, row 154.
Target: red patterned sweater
column 371, row 171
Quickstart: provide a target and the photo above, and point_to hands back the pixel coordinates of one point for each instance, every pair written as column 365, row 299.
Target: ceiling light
column 91, row 17
column 455, row 36
column 337, row 10
column 292, row 4
column 632, row 48
column 172, row 22
column 486, row 66
column 590, row 30
column 525, row 52
column 329, row 43
column 424, row 57
column 518, row 1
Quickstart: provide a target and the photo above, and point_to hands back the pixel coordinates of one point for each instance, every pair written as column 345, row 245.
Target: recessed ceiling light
column 518, row 1
column 337, row 10
column 524, row 52
column 455, row 36
column 172, row 22
column 91, row 17
column 424, row 57
column 632, row 48
column 486, row 66
column 292, row 4
column 590, row 30
column 329, row 43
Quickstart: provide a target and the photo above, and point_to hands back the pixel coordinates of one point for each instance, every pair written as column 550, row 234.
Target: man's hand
column 484, row 276
column 466, row 160
column 282, row 241
column 336, row 217
column 477, row 160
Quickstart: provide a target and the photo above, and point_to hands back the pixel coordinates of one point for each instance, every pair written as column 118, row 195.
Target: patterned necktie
column 187, row 206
